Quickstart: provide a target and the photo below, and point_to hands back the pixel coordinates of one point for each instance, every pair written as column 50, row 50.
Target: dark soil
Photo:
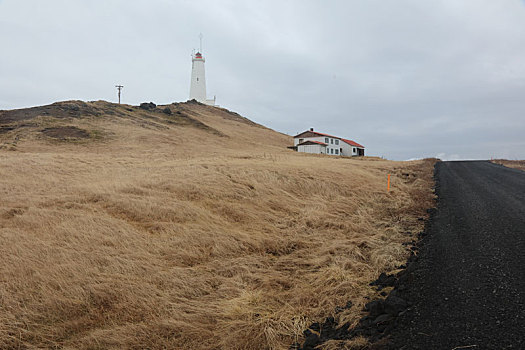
column 148, row 106
column 464, row 288
column 66, row 132
column 382, row 314
column 69, row 109
column 6, row 129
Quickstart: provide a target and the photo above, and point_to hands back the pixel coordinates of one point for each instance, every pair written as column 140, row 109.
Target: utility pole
column 119, row 87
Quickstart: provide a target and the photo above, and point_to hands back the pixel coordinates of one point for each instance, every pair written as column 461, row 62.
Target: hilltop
column 81, row 122
column 187, row 226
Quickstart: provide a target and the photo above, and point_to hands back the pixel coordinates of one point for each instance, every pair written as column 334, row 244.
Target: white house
column 315, row 142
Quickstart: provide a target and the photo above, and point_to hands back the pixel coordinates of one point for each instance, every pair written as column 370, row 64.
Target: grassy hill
column 186, row 226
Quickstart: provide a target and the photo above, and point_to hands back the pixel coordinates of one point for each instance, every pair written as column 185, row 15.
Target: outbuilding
column 312, row 147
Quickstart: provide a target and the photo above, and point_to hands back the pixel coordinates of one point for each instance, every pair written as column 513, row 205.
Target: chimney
column 311, row 129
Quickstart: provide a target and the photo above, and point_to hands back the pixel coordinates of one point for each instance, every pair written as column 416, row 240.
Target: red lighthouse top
column 198, row 55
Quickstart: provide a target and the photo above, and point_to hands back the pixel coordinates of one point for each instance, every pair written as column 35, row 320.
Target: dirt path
column 468, row 288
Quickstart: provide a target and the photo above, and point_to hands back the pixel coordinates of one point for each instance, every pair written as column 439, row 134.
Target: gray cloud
column 406, row 78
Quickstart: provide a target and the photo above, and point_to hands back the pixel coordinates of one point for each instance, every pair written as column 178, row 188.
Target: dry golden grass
column 516, row 164
column 157, row 235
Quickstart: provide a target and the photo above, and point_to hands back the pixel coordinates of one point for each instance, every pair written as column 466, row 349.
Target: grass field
column 516, row 164
column 191, row 230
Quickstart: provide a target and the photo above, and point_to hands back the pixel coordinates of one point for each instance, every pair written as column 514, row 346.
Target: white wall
column 318, row 139
column 332, row 142
column 318, row 149
column 198, row 80
column 334, row 146
column 347, row 149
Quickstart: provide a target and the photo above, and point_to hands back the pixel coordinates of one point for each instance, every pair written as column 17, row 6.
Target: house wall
column 333, row 143
column 333, row 147
column 317, row 138
column 318, row 149
column 349, row 150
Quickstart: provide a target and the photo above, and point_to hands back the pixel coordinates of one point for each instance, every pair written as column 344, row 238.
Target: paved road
column 468, row 288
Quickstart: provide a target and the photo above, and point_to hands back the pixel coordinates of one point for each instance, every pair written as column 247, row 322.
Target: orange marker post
column 388, row 183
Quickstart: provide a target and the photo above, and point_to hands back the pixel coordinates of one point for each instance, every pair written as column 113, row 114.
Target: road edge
column 382, row 313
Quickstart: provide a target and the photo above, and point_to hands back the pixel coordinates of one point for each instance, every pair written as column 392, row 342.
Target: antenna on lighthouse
column 200, row 39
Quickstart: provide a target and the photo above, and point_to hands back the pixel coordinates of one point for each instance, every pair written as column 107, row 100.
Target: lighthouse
column 198, row 79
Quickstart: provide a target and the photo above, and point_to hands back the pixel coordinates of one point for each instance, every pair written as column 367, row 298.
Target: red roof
column 353, row 143
column 350, row 142
column 319, row 143
column 319, row 133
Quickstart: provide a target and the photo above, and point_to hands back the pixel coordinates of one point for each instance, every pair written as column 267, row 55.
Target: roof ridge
column 348, row 141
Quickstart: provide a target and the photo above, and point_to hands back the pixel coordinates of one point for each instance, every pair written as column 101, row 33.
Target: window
column 336, row 142
column 301, row 140
column 326, row 140
column 331, row 151
column 336, row 151
column 354, row 150
column 332, row 141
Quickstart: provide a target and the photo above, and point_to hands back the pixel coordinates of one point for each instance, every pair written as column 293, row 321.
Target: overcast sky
column 405, row 78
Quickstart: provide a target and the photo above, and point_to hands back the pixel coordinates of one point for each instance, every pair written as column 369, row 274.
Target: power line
column 119, row 87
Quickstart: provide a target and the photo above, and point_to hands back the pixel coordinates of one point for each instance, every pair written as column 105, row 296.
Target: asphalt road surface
column 468, row 287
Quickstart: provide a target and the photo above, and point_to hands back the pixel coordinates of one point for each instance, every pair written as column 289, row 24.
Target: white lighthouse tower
column 198, row 79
